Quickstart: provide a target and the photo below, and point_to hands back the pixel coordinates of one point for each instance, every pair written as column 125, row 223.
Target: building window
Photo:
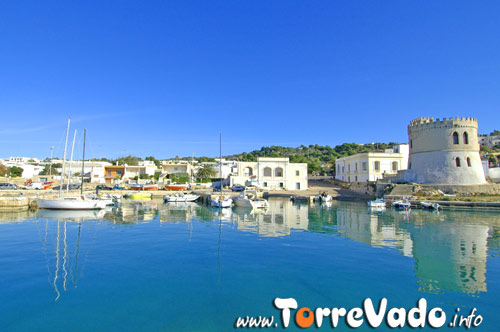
column 278, row 172
column 466, row 138
column 281, row 184
column 376, row 165
column 297, row 185
column 394, row 165
column 348, row 168
column 268, row 171
column 356, row 167
column 297, row 173
column 455, row 138
column 468, row 162
column 248, row 171
column 265, row 184
column 364, row 166
column 457, row 162
column 411, row 144
column 356, row 177
column 119, row 172
column 348, row 179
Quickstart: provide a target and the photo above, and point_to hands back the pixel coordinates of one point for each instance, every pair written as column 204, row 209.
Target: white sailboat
column 70, row 202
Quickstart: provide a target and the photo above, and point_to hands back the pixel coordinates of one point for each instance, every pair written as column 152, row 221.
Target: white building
column 490, row 141
column 444, row 152
column 372, row 166
column 272, row 173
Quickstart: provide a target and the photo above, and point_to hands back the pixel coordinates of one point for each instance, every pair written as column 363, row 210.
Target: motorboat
column 221, row 202
column 141, row 187
column 378, row 203
column 177, row 186
column 71, row 203
column 324, row 197
column 139, row 196
column 430, row 206
column 402, row 204
column 109, row 199
column 180, row 198
column 250, row 199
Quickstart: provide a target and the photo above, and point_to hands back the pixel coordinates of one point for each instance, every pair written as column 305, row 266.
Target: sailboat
column 71, row 202
column 221, row 201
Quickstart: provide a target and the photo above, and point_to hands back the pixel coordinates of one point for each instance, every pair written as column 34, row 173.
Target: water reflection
column 449, row 249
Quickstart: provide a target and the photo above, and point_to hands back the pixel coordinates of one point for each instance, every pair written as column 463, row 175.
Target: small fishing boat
column 378, row 203
column 177, row 186
column 250, row 199
column 298, row 198
column 136, row 186
column 221, row 202
column 324, row 197
column 430, row 206
column 402, row 204
column 180, row 198
column 139, row 196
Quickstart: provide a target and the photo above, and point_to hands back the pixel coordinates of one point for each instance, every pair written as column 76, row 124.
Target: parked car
column 237, row 187
column 35, row 185
column 71, row 187
column 117, row 187
column 8, row 186
column 103, row 187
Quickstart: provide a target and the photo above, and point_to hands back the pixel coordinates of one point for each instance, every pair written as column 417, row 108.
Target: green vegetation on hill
column 319, row 158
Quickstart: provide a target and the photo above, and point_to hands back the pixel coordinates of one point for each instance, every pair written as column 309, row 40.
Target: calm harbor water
column 185, row 267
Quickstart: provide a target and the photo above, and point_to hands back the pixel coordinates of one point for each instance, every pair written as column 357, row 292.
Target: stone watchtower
column 444, row 152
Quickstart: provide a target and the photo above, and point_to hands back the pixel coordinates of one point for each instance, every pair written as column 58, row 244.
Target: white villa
column 372, row 165
column 272, row 173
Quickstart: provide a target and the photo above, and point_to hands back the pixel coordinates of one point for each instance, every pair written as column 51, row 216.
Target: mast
column 64, row 158
column 83, row 159
column 220, row 160
column 71, row 162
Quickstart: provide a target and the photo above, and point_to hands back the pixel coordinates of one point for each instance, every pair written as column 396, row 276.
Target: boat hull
column 66, row 204
column 185, row 198
column 176, row 187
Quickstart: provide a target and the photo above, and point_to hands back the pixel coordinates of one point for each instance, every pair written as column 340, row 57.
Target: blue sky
column 163, row 78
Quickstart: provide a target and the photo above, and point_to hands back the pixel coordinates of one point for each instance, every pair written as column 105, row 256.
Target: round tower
column 444, row 152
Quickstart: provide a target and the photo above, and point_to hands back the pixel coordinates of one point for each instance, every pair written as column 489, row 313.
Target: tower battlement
column 432, row 123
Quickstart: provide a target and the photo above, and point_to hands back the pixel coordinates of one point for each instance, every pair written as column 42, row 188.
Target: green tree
column 15, row 171
column 492, row 159
column 129, row 160
column 206, row 171
column 46, row 170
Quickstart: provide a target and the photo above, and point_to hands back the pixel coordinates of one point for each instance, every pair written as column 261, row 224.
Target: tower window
column 457, row 162
column 466, row 138
column 455, row 138
column 468, row 162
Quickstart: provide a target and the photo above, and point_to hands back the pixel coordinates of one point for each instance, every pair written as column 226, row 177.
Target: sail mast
column 83, row 159
column 64, row 158
column 220, row 160
column 71, row 162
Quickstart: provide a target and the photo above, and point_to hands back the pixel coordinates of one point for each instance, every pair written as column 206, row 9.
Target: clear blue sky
column 163, row 78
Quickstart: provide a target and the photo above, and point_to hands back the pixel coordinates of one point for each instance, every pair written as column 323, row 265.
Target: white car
column 34, row 185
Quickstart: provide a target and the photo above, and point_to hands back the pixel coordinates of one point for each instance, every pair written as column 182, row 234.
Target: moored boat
column 250, row 199
column 221, row 202
column 177, row 186
column 402, row 204
column 71, row 203
column 137, row 186
column 180, row 198
column 430, row 206
column 139, row 196
column 378, row 203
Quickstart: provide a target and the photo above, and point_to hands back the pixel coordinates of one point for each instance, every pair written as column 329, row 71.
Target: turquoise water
column 185, row 267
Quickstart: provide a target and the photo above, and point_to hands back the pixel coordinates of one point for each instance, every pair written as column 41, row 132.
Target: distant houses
column 272, row 173
column 372, row 166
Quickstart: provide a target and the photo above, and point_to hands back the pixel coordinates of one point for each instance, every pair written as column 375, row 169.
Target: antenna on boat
column 83, row 159
column 64, row 158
